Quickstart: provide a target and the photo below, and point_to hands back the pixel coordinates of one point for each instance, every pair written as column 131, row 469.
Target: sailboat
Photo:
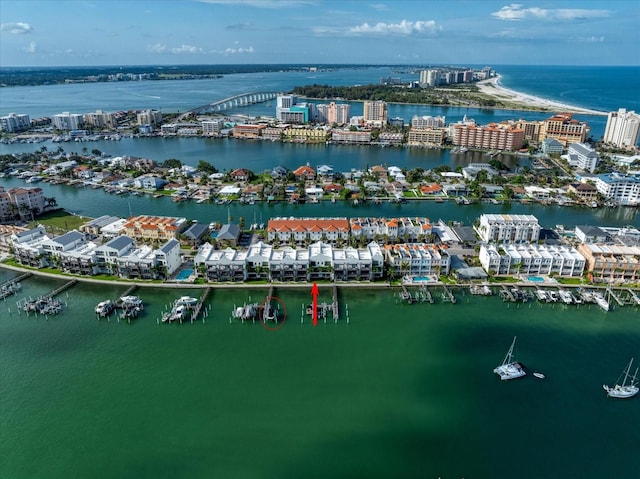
column 624, row 390
column 510, row 368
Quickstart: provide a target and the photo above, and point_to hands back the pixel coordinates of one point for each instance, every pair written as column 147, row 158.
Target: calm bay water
column 400, row 391
column 407, row 393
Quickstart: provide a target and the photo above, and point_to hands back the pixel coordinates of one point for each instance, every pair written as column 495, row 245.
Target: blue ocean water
column 605, row 88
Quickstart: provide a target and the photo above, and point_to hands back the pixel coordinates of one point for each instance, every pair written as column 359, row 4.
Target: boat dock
column 59, row 290
column 198, row 307
column 15, row 280
column 447, row 296
column 9, row 288
column 335, row 310
column 617, row 298
column 506, row 294
column 633, row 297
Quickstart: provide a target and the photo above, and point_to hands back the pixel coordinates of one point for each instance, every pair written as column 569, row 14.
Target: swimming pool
column 420, row 279
column 184, row 275
column 535, row 279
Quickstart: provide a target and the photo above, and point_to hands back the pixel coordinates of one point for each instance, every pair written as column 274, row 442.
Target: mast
column 507, row 358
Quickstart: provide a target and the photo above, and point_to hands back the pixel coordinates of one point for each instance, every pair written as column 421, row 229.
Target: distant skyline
column 169, row 32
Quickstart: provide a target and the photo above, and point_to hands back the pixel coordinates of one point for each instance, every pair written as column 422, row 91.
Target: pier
column 335, row 310
column 9, row 288
column 198, row 307
column 16, row 280
column 633, row 297
column 447, row 296
column 506, row 295
column 59, row 290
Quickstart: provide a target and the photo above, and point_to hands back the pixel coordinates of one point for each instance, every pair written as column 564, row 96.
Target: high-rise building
column 67, row 121
column 15, row 122
column 331, row 113
column 623, row 128
column 289, row 110
column 375, row 112
column 565, row 129
column 150, row 117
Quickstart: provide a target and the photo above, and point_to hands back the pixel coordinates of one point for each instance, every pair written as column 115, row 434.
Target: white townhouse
column 257, row 260
column 66, row 242
column 509, row 259
column 106, row 255
column 500, row 228
column 168, row 257
column 27, row 246
column 289, row 264
column 362, row 264
column 220, row 265
column 623, row 189
column 418, row 259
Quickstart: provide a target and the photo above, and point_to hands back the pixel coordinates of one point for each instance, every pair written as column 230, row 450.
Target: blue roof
column 169, row 245
column 69, row 238
column 119, row 243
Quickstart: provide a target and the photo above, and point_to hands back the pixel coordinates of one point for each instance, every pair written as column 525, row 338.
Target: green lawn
column 59, row 221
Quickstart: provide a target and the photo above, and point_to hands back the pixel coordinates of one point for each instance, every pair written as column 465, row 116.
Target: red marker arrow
column 314, row 293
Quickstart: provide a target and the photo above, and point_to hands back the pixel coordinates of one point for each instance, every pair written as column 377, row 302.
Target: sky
column 308, row 32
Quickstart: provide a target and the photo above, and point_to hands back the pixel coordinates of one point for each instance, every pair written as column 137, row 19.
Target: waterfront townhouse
column 27, row 246
column 79, row 260
column 612, row 263
column 392, row 229
column 499, row 228
column 582, row 156
column 257, row 261
column 623, row 128
column 526, row 259
column 358, row 264
column 320, row 261
column 301, row 230
column 107, row 254
column 168, row 258
column 66, row 242
column 303, row 134
column 289, row 264
column 220, row 265
column 621, row 189
column 148, row 182
column 137, row 263
column 417, row 259
column 152, row 228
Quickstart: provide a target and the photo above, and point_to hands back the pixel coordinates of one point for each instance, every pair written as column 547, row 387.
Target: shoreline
column 346, row 285
column 494, row 89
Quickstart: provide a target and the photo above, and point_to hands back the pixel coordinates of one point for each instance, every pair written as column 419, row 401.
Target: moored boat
column 629, row 386
column 510, row 368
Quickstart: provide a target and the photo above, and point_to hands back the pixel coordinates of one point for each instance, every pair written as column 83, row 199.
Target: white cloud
column 32, row 48
column 403, row 28
column 236, row 51
column 158, row 48
column 186, row 49
column 516, row 12
column 16, row 28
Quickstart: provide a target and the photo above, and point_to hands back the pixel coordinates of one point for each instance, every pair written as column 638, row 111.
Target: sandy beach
column 493, row 88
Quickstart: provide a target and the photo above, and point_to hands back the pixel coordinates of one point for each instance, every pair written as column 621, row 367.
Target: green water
column 400, row 391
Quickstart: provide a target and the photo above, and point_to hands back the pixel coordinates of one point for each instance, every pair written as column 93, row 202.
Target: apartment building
column 101, row 119
column 212, row 127
column 333, row 113
column 149, row 117
column 423, row 122
column 68, row 121
column 375, row 113
column 621, row 189
column 499, row 228
column 623, row 128
column 21, row 201
column 248, row 131
column 346, row 136
column 14, row 122
column 305, row 135
column 27, row 246
column 565, row 129
column 494, row 136
column 426, row 136
column 582, row 156
column 509, row 259
column 612, row 263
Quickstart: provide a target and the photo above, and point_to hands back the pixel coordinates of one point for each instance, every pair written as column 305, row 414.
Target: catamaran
column 510, row 368
column 624, row 390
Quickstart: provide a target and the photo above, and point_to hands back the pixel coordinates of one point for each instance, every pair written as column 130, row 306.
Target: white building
column 150, row 117
column 499, row 228
column 15, row 122
column 331, row 113
column 428, row 122
column 532, row 259
column 67, row 121
column 623, row 189
column 418, row 259
column 212, row 127
column 623, row 128
column 376, row 113
column 583, row 157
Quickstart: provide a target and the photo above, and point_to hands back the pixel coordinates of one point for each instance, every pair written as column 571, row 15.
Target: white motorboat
column 131, row 301
column 539, row 375
column 510, row 368
column 629, row 386
column 186, row 301
column 105, row 307
column 601, row 300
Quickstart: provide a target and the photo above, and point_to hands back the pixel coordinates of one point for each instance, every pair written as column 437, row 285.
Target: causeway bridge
column 232, row 102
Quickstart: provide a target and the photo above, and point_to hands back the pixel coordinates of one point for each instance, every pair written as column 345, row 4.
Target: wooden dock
column 59, row 290
column 447, row 295
column 615, row 296
column 633, row 297
column 507, row 295
column 198, row 307
column 335, row 309
column 16, row 279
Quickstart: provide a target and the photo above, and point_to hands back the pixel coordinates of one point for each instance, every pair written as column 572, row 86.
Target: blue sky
column 130, row 32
